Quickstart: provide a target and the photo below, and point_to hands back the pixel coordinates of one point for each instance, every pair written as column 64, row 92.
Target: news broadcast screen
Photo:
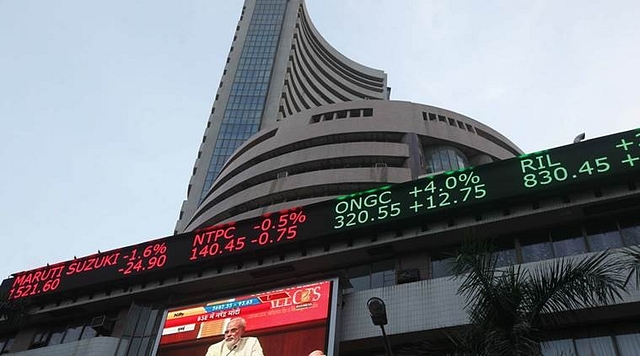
column 295, row 320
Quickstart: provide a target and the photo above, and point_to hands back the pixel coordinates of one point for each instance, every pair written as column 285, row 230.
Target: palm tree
column 631, row 263
column 506, row 305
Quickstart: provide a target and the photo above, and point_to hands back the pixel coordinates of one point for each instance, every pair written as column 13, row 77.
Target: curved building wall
column 318, row 75
column 278, row 65
column 338, row 149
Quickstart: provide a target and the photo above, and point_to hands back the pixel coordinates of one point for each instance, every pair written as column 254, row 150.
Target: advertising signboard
column 294, row 320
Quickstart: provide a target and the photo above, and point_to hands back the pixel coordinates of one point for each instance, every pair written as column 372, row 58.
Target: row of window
column 138, row 336
column 248, row 87
column 261, row 42
column 63, row 334
column 452, row 122
column 341, row 114
column 559, row 242
column 245, row 99
column 256, row 66
column 141, row 331
column 261, row 38
column 464, row 126
column 255, row 62
column 260, row 28
column 236, row 93
column 615, row 345
column 374, row 275
column 236, row 114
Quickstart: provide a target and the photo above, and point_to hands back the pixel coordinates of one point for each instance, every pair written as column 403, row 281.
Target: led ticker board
column 544, row 172
column 215, row 242
column 601, row 160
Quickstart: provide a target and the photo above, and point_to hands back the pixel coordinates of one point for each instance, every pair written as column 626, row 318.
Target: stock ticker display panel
column 616, row 157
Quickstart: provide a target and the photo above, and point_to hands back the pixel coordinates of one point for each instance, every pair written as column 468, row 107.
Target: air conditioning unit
column 408, row 276
column 283, row 174
column 102, row 324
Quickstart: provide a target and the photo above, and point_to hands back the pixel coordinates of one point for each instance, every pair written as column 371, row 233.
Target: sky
column 103, row 103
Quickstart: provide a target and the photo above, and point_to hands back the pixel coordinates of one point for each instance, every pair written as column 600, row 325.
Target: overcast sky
column 103, row 103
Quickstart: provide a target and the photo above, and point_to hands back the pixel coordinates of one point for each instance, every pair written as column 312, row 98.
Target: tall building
column 280, row 78
column 312, row 193
column 278, row 65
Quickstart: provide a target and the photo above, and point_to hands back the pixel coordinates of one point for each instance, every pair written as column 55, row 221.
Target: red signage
column 273, row 317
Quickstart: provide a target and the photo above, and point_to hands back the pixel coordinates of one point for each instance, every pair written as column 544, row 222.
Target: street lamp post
column 378, row 312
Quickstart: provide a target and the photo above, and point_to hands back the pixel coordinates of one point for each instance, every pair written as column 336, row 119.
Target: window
column 568, row 241
column 441, row 267
column 444, row 158
column 602, row 234
column 505, row 257
column 64, row 333
column 628, row 345
column 5, row 344
column 141, row 330
column 536, row 247
column 375, row 275
column 630, row 230
column 616, row 345
column 595, row 346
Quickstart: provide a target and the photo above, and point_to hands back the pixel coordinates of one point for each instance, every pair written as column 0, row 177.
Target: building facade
column 311, row 186
column 278, row 65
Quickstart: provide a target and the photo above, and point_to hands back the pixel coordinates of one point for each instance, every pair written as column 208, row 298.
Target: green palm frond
column 505, row 305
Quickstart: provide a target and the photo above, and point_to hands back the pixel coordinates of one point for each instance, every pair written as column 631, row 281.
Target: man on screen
column 234, row 344
column 317, row 353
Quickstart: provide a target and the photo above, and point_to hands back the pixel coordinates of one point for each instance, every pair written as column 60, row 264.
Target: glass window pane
column 628, row 345
column 558, row 347
column 360, row 283
column 88, row 333
column 142, row 322
column 150, row 329
column 8, row 344
column 56, row 337
column 73, row 334
column 132, row 319
column 505, row 257
column 359, row 277
column 630, row 229
column 602, row 234
column 537, row 252
column 605, row 240
column 377, row 279
column 123, row 346
column 144, row 345
column 569, row 247
column 568, row 241
column 41, row 337
column 441, row 268
column 385, row 265
column 134, row 346
column 601, row 346
column 630, row 235
column 389, row 278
